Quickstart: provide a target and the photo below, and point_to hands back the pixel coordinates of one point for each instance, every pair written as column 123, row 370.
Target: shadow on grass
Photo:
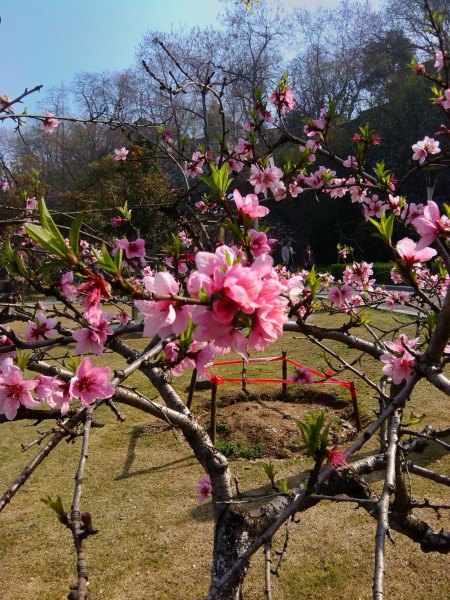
column 136, row 434
column 204, row 513
column 432, row 453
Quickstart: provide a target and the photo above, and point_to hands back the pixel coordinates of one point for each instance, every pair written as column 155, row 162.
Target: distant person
column 287, row 256
column 307, row 258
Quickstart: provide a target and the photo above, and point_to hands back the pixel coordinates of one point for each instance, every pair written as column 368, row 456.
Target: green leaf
column 11, row 259
column 47, row 240
column 431, row 320
column 52, row 265
column 312, row 281
column 55, row 505
column 74, row 233
column 105, row 260
column 414, row 419
column 269, row 470
column 324, row 438
column 283, row 486
column 125, row 211
column 73, row 362
column 118, row 260
column 49, row 224
column 384, row 227
column 315, row 439
column 219, row 182
column 22, row 359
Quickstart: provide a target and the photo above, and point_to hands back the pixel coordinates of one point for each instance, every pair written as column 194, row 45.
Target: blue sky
column 49, row 41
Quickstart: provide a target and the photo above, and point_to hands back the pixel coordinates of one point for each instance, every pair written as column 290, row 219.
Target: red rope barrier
column 326, row 379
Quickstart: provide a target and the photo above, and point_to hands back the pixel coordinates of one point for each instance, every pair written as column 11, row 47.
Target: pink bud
column 86, row 518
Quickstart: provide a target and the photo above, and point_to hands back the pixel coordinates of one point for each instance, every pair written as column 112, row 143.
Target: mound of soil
column 254, row 427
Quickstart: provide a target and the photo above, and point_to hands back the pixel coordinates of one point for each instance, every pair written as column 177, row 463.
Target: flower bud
column 86, row 518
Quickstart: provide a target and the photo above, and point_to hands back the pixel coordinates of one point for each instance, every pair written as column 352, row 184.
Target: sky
column 49, row 41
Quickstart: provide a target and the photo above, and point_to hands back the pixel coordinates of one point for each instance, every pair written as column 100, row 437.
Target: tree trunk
column 231, row 539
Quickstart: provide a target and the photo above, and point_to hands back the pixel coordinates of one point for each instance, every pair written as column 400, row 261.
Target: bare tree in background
column 409, row 16
column 345, row 57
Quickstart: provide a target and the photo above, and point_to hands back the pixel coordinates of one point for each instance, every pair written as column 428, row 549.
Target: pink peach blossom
column 302, row 375
column 336, row 458
column 358, row 275
column 395, row 276
column 4, row 342
column 49, row 124
column 94, row 289
column 258, row 243
column 430, row 224
column 310, row 148
column 204, row 488
column 269, row 178
column 118, row 221
column 14, row 390
column 339, row 295
column 5, row 104
column 61, row 398
column 439, row 64
column 121, row 154
column 67, row 287
column 411, row 211
column 424, row 148
column 30, row 205
column 53, row 391
column 133, row 249
column 199, row 356
column 350, row 162
column 93, row 337
column 444, row 102
column 399, row 363
column 194, row 168
column 374, row 207
column 244, row 147
column 91, row 383
column 283, row 100
column 123, row 317
column 41, row 328
column 243, row 297
column 408, row 252
column 294, row 189
column 249, row 205
column 45, row 387
column 165, row 316
column 201, row 206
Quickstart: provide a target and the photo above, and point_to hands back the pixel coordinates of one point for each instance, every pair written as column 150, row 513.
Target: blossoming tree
column 212, row 298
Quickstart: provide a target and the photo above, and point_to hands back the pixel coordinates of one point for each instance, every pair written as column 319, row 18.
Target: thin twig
column 383, row 507
column 427, row 473
column 283, row 550
column 75, row 515
column 36, row 461
column 267, row 570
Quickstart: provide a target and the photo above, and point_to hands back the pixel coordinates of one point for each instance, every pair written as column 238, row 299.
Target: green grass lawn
column 156, row 542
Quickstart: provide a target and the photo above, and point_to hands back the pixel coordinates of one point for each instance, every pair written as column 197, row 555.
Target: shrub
column 222, row 427
column 227, row 448
column 381, row 272
column 252, row 453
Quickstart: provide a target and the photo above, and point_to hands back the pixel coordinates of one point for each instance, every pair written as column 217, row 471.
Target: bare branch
column 81, row 592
